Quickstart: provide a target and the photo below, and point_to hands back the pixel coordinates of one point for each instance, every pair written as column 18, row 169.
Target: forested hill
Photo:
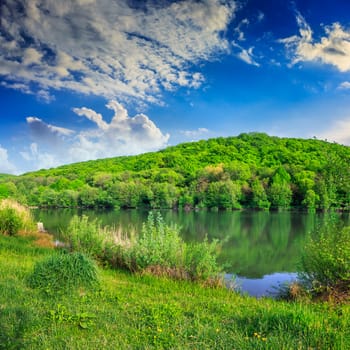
column 251, row 170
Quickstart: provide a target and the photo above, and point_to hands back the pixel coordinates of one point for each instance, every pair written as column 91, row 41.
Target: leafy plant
column 159, row 244
column 84, row 320
column 200, row 260
column 325, row 264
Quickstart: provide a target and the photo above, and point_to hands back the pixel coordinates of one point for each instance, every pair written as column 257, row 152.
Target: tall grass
column 85, row 236
column 64, row 272
column 14, row 218
column 159, row 248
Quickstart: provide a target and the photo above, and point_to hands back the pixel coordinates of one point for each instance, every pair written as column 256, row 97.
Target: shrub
column 200, row 260
column 14, row 217
column 158, row 244
column 64, row 272
column 325, row 264
column 10, row 222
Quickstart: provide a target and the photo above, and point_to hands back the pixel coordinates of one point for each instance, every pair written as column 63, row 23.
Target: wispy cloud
column 345, row 85
column 5, row 165
column 338, row 131
column 109, row 48
column 123, row 135
column 333, row 48
column 194, row 133
column 246, row 55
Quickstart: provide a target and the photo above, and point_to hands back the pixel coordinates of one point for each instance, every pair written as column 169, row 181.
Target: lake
column 262, row 249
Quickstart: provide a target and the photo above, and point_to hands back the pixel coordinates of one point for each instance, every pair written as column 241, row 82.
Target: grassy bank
column 143, row 312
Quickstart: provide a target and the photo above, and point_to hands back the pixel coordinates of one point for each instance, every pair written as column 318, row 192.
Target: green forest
column 252, row 170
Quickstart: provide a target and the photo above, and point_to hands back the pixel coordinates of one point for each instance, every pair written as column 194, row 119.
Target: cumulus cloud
column 5, row 165
column 338, row 132
column 123, row 135
column 333, row 48
column 110, row 48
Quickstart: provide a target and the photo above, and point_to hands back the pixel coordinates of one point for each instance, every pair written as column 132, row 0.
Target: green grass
column 60, row 273
column 145, row 312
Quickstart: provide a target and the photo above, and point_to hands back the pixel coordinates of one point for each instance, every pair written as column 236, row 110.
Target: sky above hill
column 88, row 79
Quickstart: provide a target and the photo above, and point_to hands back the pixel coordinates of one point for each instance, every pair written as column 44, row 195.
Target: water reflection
column 265, row 286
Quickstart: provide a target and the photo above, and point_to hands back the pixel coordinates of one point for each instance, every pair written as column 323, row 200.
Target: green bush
column 10, row 222
column 200, row 260
column 325, row 264
column 14, row 217
column 158, row 244
column 64, row 272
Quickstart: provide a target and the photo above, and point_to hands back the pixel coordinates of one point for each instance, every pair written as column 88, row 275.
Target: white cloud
column 246, row 55
column 31, row 56
column 41, row 129
column 238, row 30
column 108, row 47
column 123, row 135
column 344, row 85
column 5, row 165
column 338, row 132
column 41, row 95
column 194, row 133
column 333, row 48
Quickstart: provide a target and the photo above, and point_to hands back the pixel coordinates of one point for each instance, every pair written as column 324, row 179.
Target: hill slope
column 250, row 170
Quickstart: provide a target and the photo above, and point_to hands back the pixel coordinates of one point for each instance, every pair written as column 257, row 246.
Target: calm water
column 261, row 248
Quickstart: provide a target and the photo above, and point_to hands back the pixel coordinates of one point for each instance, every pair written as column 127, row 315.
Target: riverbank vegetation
column 133, row 311
column 248, row 171
column 158, row 249
column 61, row 299
column 325, row 263
column 14, row 218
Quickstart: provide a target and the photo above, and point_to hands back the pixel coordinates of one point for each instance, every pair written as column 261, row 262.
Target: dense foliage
column 158, row 249
column 325, row 264
column 251, row 170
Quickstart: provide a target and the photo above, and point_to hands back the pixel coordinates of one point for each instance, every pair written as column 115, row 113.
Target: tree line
column 252, row 170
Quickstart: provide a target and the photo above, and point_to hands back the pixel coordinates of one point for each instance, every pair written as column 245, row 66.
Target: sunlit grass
column 144, row 312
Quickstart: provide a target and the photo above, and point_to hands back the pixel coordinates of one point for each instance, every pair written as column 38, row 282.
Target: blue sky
column 88, row 79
